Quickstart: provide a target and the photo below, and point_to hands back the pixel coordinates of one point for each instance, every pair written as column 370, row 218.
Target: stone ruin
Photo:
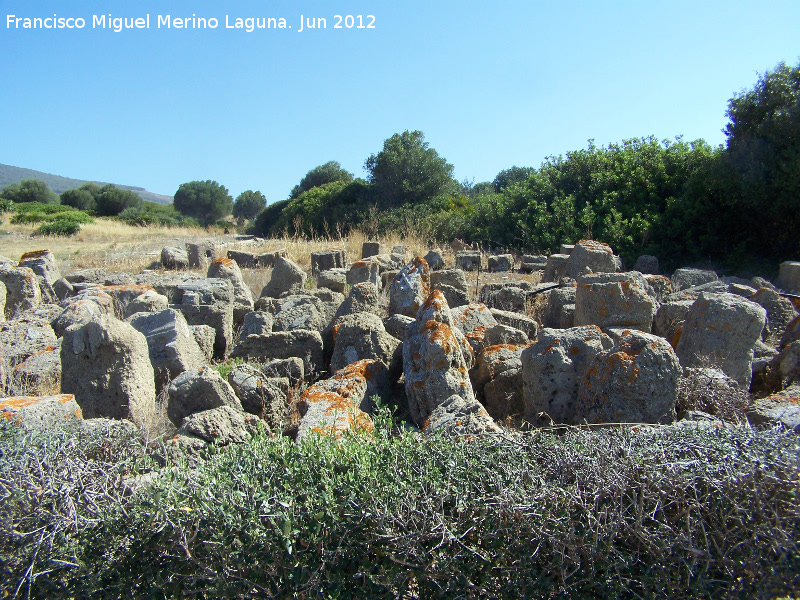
column 609, row 347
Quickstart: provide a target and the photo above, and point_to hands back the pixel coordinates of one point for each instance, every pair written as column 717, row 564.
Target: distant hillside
column 58, row 184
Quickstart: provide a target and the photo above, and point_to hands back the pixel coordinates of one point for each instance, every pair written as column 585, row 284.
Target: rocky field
column 196, row 352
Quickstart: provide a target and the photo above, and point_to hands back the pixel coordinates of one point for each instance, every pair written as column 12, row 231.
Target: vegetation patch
column 677, row 512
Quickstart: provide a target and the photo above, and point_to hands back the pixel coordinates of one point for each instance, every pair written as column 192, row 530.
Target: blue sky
column 490, row 84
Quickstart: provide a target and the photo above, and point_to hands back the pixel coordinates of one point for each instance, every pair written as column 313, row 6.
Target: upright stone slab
column 362, row 337
column 370, row 249
column 364, row 271
column 201, row 252
column 287, row 277
column 225, row 268
column 468, row 260
column 501, row 263
column 106, row 364
column 333, row 258
column 635, row 381
column 43, row 263
column 647, row 264
column 789, row 276
column 614, row 300
column 556, row 267
column 433, row 361
column 435, row 260
column 688, row 277
column 592, row 257
column 196, row 391
column 410, row 288
column 722, row 330
column 209, row 302
column 173, row 257
column 172, row 346
column 300, row 343
column 553, row 367
column 22, row 289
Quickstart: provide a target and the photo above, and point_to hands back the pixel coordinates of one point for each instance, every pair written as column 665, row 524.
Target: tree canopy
column 408, row 170
column 328, row 173
column 111, row 201
column 761, row 178
column 248, row 204
column 206, row 201
column 82, row 198
column 29, row 190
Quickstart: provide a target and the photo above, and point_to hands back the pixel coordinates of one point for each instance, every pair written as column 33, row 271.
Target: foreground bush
column 661, row 512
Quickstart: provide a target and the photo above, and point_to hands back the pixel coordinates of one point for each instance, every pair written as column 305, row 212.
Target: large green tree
column 206, row 201
column 763, row 161
column 83, row 197
column 111, row 201
column 408, row 170
column 248, row 204
column 29, row 190
column 328, row 173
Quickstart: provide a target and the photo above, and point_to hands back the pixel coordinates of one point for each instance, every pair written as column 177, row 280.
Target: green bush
column 37, row 217
column 60, row 227
column 29, row 190
column 616, row 513
column 150, row 213
column 38, row 207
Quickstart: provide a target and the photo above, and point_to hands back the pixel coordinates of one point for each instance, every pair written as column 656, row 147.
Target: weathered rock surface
column 172, row 346
column 556, row 267
column 468, row 260
column 397, row 325
column 560, row 310
column 201, row 252
column 303, row 344
column 370, row 249
column 287, row 278
column 173, row 257
column 22, row 289
column 333, row 279
column 409, row 289
column 44, row 265
column 40, row 413
column 40, row 373
column 473, row 320
column 301, row 311
column 221, row 426
column 500, row 263
column 435, row 260
column 362, row 337
column 24, row 336
column 266, row 397
column 688, row 277
column 789, row 276
column 780, row 311
column 204, row 336
column 782, row 409
column 721, row 330
column 225, row 268
column 614, row 300
column 196, row 391
column 504, row 334
column 106, row 364
column 256, row 322
column 459, row 417
column 433, row 361
column 292, row 369
column 589, row 256
column 363, row 297
column 525, row 324
column 635, row 381
column 333, row 258
column 553, row 367
column 365, row 271
column 209, row 302
column 332, row 406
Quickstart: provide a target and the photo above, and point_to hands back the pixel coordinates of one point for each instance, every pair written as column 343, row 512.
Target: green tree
column 508, row 177
column 248, row 204
column 111, row 201
column 83, row 197
column 206, row 201
column 407, row 170
column 328, row 173
column 29, row 190
column 762, row 183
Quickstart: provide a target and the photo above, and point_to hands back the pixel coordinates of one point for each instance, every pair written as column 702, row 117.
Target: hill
column 59, row 184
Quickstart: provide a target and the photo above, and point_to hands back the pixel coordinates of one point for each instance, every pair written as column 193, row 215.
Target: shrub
column 206, row 201
column 37, row 217
column 38, row 207
column 60, row 227
column 29, row 190
column 150, row 213
column 633, row 512
column 111, row 201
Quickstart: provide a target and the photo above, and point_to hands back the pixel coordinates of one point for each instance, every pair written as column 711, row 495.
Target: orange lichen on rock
column 441, row 334
column 34, row 254
column 225, row 262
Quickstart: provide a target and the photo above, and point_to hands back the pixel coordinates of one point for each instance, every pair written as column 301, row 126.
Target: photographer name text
column 116, row 24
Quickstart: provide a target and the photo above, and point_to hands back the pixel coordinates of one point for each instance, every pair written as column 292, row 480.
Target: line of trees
column 680, row 200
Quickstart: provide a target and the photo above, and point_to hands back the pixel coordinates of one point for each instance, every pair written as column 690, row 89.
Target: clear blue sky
column 490, row 84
